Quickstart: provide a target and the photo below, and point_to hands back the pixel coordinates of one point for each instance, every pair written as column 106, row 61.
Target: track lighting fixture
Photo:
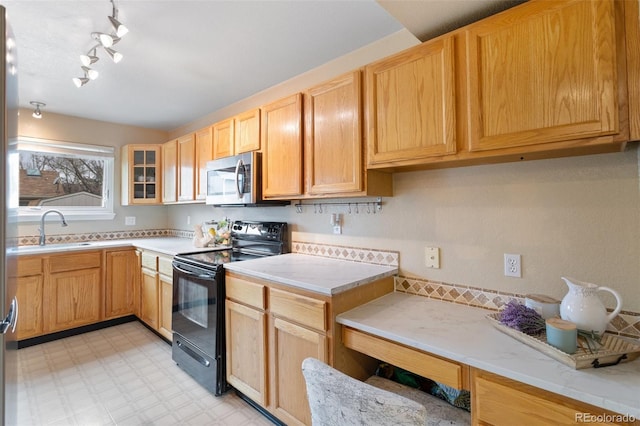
column 90, row 58
column 37, row 113
column 116, row 56
column 106, row 41
column 80, row 81
column 92, row 74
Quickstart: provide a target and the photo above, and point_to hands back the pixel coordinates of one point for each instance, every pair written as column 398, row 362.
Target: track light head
column 106, row 40
column 90, row 58
column 37, row 113
column 116, row 56
column 80, row 81
column 120, row 29
column 92, row 74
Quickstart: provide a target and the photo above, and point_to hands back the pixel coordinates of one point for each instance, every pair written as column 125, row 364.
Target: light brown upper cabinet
column 141, row 177
column 247, row 131
column 237, row 135
column 546, row 72
column 632, row 32
column 186, row 170
column 170, row 171
column 223, row 138
column 204, row 153
column 410, row 102
column 334, row 148
column 281, row 136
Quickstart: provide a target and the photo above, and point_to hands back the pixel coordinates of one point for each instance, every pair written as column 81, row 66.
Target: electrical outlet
column 432, row 257
column 130, row 220
column 188, row 220
column 512, row 265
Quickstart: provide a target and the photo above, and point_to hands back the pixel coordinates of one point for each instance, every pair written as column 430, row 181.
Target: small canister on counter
column 546, row 306
column 562, row 334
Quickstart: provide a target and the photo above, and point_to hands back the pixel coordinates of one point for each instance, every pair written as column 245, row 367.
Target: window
column 76, row 179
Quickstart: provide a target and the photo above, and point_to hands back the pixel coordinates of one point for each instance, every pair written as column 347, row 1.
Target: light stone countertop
column 165, row 245
column 462, row 333
column 314, row 273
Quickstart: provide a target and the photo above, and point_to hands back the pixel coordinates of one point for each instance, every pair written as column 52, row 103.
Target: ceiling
column 186, row 59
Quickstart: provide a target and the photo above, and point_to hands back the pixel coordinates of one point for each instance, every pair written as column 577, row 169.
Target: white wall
column 577, row 217
column 74, row 129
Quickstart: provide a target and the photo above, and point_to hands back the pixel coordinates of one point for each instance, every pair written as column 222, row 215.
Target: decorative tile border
column 625, row 323
column 102, row 236
column 354, row 254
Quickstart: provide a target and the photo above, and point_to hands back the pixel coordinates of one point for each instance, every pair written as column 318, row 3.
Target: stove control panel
column 264, row 231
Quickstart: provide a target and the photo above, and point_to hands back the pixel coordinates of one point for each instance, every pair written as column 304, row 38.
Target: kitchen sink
column 51, row 247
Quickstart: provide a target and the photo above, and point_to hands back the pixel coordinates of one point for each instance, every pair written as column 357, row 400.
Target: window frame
column 107, row 153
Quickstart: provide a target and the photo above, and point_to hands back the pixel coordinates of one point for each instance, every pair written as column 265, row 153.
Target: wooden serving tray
column 613, row 350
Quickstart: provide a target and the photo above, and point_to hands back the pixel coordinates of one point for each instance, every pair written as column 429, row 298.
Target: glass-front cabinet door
column 141, row 174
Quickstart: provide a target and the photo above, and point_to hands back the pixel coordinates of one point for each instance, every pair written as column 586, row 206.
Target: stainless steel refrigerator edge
column 8, row 211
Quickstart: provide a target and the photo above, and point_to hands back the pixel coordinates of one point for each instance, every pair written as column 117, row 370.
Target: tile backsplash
column 624, row 324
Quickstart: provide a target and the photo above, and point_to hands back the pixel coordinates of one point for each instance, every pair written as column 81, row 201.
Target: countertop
column 314, row 273
column 463, row 334
column 166, row 245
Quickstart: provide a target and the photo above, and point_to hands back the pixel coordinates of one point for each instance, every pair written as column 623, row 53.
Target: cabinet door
column 204, row 153
column 246, row 350
column 247, row 132
column 73, row 298
column 149, row 310
column 120, row 283
column 281, row 128
column 411, row 104
column 29, row 294
column 544, row 72
column 223, row 134
column 165, row 304
column 187, row 173
column 141, row 174
column 170, row 171
column 290, row 345
column 333, row 136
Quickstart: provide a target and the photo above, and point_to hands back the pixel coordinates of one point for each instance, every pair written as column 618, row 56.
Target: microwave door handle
column 239, row 188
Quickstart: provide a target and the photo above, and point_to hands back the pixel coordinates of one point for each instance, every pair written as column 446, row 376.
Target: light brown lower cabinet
column 30, row 285
column 73, row 288
column 156, row 291
column 497, row 400
column 120, row 282
column 271, row 328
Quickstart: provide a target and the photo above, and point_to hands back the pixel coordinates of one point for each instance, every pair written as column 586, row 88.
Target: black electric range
column 198, row 315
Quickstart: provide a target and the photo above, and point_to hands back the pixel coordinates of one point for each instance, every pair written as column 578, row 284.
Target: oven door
column 198, row 306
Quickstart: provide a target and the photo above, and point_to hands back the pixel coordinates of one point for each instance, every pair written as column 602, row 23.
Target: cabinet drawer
column 301, row 309
column 416, row 361
column 164, row 266
column 75, row 261
column 498, row 400
column 149, row 261
column 28, row 266
column 246, row 292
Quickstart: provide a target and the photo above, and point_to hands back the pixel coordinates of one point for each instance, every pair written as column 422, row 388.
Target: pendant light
column 37, row 113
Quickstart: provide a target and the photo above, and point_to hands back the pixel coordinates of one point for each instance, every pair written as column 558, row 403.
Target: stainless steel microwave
column 236, row 181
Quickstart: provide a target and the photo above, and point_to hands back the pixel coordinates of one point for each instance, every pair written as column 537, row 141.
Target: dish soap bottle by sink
column 582, row 306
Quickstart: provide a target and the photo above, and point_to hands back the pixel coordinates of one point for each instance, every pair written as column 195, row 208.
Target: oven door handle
column 191, row 274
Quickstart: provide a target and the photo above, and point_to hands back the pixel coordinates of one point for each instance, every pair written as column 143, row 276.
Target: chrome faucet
column 43, row 239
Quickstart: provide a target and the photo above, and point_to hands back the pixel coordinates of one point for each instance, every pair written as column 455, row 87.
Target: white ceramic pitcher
column 582, row 306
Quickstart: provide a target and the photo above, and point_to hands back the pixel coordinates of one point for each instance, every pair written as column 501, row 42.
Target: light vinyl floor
column 121, row 375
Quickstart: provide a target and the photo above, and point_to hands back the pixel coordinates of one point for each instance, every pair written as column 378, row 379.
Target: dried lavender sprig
column 522, row 318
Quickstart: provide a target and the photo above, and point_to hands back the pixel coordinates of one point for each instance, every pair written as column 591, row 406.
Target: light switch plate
column 432, row 257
